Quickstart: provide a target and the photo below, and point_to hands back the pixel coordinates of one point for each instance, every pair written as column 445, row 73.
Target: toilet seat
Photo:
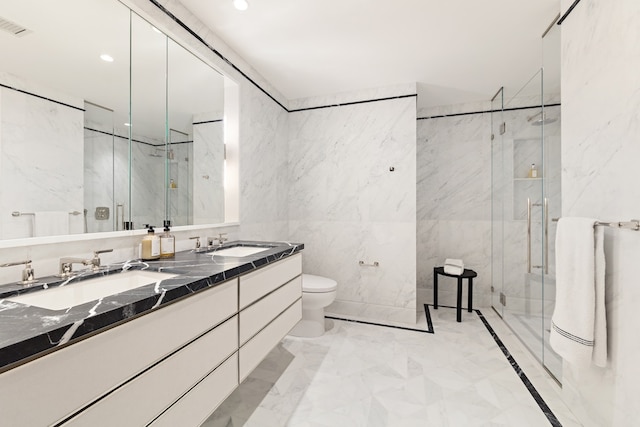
column 317, row 284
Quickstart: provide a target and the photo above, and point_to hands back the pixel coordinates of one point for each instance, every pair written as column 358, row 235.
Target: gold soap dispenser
column 150, row 246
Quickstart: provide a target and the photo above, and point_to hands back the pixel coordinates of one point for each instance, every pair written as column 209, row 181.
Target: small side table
column 466, row 274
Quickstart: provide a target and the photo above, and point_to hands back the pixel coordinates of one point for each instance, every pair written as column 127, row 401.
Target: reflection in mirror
column 148, row 123
column 180, row 188
column 51, row 67
column 178, row 115
column 106, row 166
column 66, row 162
column 196, row 132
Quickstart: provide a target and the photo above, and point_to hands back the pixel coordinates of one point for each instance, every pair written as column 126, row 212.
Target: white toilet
column 317, row 293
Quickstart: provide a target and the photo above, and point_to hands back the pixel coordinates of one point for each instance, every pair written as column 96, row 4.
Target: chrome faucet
column 221, row 239
column 66, row 263
column 95, row 261
column 28, row 275
column 197, row 239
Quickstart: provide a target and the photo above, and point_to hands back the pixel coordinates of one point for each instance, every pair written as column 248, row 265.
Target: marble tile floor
column 530, row 328
column 360, row 374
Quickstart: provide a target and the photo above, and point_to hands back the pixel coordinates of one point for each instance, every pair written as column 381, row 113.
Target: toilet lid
column 311, row 283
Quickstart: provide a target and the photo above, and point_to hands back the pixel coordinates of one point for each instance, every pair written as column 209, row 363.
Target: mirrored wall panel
column 105, row 123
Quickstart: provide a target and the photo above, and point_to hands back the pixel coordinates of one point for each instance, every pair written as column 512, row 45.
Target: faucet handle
column 28, row 275
column 103, row 251
column 197, row 238
column 95, row 261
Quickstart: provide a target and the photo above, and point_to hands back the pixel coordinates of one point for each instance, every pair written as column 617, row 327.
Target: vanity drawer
column 257, row 348
column 257, row 284
column 86, row 370
column 147, row 395
column 196, row 406
column 259, row 314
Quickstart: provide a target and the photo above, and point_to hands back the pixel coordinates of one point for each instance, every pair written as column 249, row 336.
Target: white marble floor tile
column 367, row 375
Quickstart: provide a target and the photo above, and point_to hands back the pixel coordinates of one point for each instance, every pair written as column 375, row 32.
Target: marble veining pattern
column 454, row 198
column 343, row 195
column 600, row 152
column 208, row 175
column 26, row 331
column 366, row 375
column 46, row 134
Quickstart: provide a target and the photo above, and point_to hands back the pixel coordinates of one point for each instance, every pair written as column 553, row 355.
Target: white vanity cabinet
column 270, row 306
column 271, row 296
column 171, row 367
column 54, row 387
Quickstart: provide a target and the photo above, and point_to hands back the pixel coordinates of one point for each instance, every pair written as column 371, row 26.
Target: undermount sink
column 72, row 294
column 240, row 251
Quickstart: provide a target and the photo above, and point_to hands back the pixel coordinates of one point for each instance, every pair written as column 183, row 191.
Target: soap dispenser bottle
column 167, row 242
column 150, row 246
column 533, row 171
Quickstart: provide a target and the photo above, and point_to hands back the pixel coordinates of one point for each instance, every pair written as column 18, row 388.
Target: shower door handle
column 528, row 235
column 546, row 235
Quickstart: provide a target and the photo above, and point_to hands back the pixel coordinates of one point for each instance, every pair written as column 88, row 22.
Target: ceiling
column 456, row 50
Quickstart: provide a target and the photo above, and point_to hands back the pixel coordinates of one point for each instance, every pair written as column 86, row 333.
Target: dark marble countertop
column 27, row 332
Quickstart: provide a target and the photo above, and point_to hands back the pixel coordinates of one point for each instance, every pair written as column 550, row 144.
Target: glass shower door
column 497, row 200
column 526, row 249
column 520, row 247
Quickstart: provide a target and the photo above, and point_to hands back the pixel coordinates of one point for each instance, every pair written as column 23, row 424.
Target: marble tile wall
column 347, row 206
column 263, row 167
column 600, row 174
column 208, row 176
column 147, row 183
column 35, row 131
column 455, row 197
column 454, row 200
column 181, row 164
column 99, row 157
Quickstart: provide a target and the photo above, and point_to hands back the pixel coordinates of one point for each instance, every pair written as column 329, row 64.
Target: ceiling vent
column 13, row 28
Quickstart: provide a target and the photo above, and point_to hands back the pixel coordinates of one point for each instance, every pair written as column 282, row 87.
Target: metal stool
column 466, row 274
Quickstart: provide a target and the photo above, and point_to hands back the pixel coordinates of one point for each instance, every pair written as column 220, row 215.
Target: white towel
column 579, row 324
column 453, row 266
column 51, row 223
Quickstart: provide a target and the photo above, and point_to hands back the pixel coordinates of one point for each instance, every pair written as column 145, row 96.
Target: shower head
column 542, row 119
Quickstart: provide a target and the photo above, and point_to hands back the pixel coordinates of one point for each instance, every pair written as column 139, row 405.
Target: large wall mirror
column 91, row 144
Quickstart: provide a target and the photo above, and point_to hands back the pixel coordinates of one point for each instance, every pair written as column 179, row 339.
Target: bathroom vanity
column 165, row 353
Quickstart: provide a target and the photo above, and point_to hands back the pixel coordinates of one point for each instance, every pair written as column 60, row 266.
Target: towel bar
column 18, row 213
column 634, row 224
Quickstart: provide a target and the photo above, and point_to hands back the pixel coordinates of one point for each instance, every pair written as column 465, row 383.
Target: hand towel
column 578, row 324
column 51, row 223
column 453, row 266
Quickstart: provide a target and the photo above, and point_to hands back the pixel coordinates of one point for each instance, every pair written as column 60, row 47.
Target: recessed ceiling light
column 241, row 4
column 106, row 58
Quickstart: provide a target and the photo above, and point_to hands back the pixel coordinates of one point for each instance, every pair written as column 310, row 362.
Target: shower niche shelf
column 525, row 152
